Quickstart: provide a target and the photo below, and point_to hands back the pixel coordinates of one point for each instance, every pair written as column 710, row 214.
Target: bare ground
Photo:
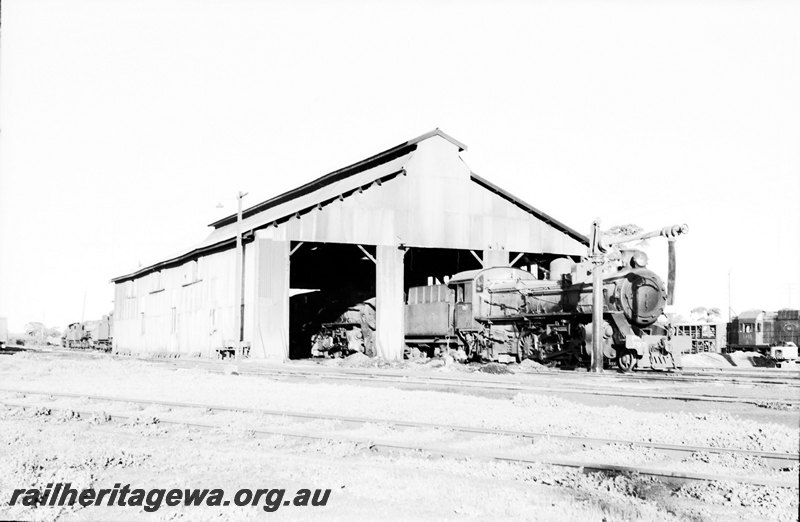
column 40, row 446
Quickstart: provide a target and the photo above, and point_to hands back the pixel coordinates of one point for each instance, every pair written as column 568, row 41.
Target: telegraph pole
column 239, row 283
column 596, row 250
column 729, row 295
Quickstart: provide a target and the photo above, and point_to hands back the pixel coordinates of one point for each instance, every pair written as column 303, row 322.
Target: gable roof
column 338, row 175
column 530, row 209
column 337, row 185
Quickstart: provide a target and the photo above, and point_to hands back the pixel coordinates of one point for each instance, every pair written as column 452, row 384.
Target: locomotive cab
column 483, row 294
column 751, row 329
column 464, row 289
column 438, row 316
column 474, row 290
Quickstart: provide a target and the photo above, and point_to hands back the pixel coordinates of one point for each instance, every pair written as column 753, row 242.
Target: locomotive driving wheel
column 525, row 346
column 472, row 347
column 626, row 360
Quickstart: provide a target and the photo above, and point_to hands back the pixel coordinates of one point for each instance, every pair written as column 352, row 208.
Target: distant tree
column 34, row 329
column 37, row 330
column 714, row 315
column 702, row 314
column 699, row 314
column 624, row 230
column 53, row 331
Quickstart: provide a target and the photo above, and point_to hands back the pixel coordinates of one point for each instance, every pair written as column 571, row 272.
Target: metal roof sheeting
column 337, row 185
column 272, row 212
column 530, row 209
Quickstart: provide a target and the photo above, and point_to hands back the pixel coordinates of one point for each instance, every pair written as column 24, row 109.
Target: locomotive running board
column 529, row 317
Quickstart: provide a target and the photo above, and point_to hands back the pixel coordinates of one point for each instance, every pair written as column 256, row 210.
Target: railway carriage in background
column 760, row 330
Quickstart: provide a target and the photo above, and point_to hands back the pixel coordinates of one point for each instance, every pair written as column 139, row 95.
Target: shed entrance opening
column 332, row 303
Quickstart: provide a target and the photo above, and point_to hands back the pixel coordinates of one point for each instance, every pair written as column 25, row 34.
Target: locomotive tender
column 504, row 313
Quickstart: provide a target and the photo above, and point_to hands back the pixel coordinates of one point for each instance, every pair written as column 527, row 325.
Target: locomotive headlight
column 639, row 259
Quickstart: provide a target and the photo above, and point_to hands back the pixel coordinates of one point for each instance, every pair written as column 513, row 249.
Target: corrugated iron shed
column 417, row 195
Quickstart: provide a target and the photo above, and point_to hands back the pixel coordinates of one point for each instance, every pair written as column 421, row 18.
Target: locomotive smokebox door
column 642, row 298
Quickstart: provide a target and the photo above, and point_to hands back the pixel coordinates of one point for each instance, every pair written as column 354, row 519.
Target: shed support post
column 495, row 258
column 389, row 302
column 271, row 300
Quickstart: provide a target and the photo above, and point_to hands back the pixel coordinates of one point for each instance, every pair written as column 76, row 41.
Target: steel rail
column 773, row 458
column 669, row 475
column 368, row 375
column 607, row 376
column 677, row 377
column 505, row 386
column 467, row 381
column 636, row 376
column 697, row 375
column 790, row 376
column 622, row 377
column 738, row 370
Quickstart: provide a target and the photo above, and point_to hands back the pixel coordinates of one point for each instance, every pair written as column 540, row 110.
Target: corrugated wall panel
column 203, row 316
column 270, row 312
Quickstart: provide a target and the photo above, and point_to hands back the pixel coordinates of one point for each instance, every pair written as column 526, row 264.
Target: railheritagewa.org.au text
column 152, row 499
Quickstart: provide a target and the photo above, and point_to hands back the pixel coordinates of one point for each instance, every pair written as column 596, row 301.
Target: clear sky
column 124, row 123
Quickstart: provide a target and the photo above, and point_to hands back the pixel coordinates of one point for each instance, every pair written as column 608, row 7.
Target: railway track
column 590, row 384
column 504, row 385
column 782, row 464
column 609, row 376
column 766, row 375
column 746, row 376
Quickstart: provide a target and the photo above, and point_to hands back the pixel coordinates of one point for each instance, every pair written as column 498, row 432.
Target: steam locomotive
column 89, row 335
column 503, row 313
